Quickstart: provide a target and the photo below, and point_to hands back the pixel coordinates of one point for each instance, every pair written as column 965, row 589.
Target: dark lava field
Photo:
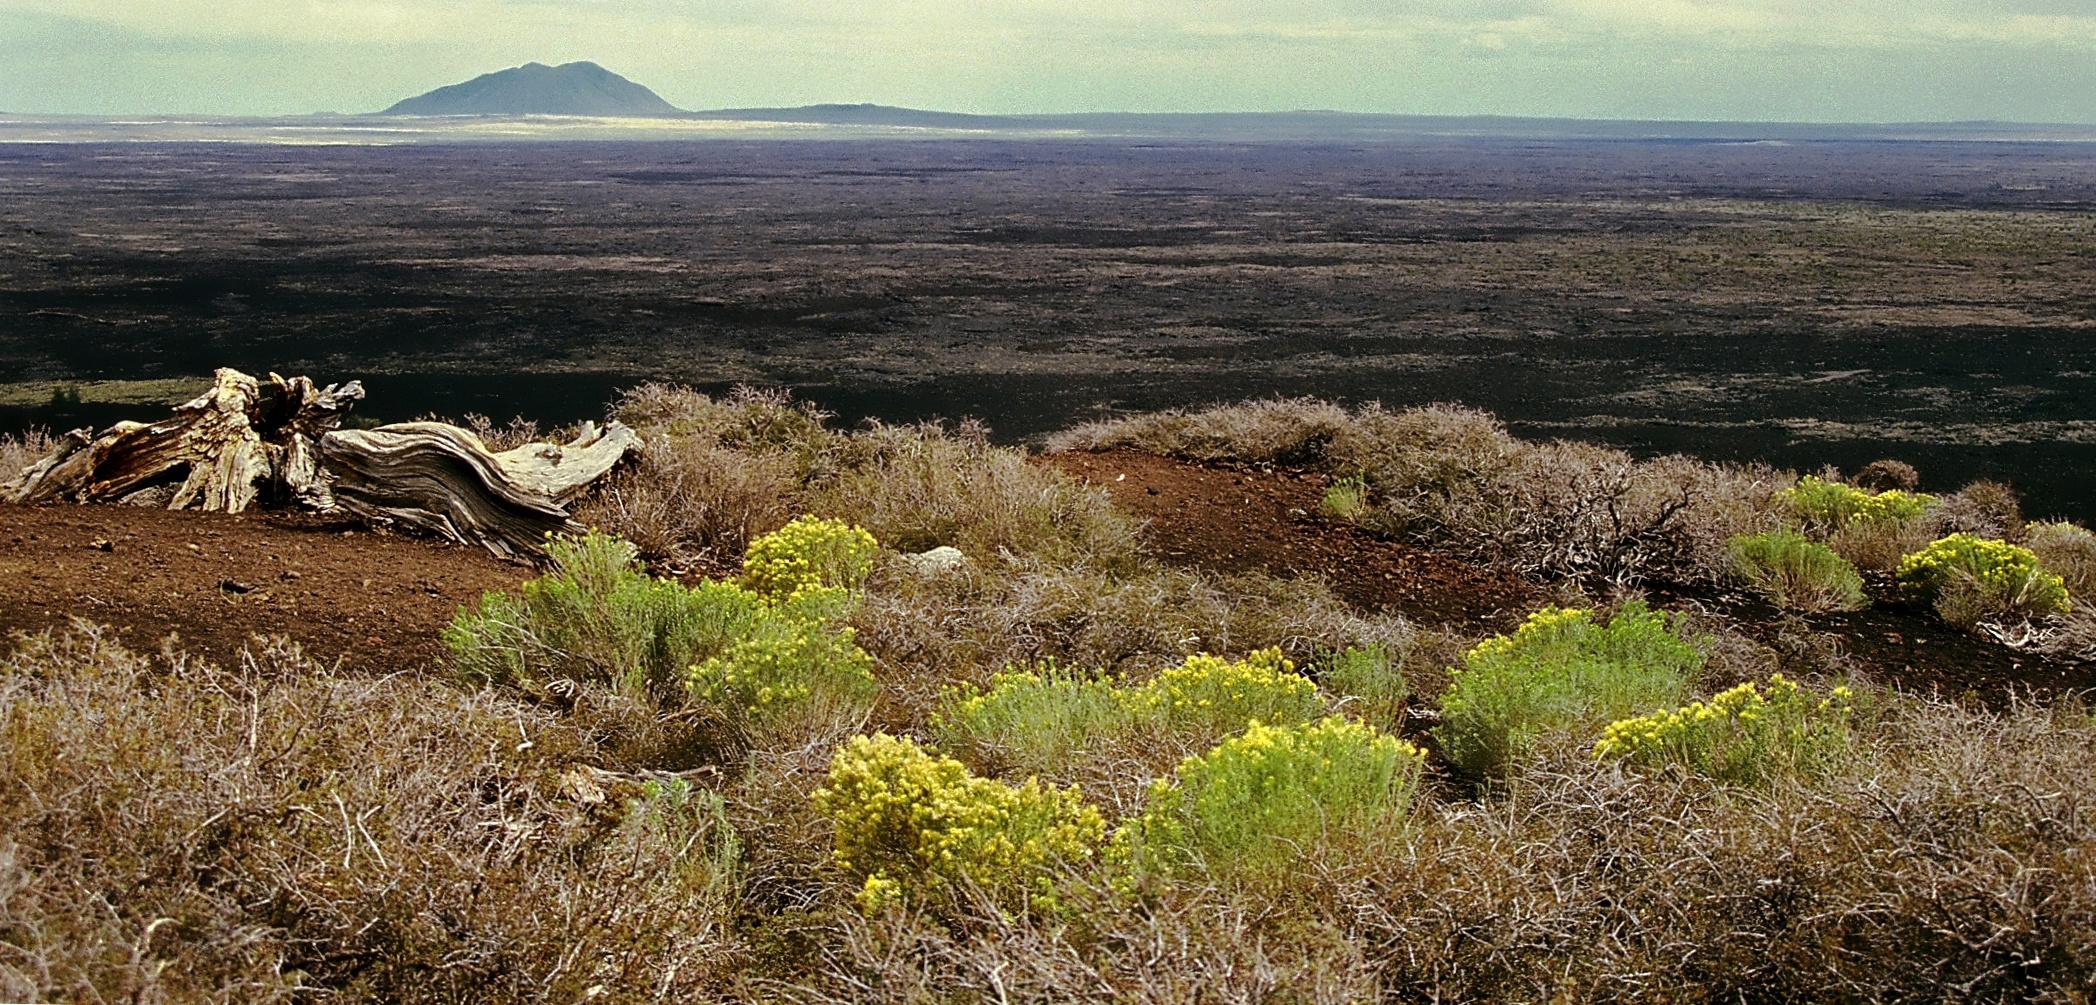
column 1806, row 303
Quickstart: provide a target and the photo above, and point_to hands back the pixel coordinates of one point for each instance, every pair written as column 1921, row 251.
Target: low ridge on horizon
column 585, row 88
column 578, row 88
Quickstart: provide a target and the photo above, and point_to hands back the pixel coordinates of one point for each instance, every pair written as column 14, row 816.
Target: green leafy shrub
column 1035, row 720
column 767, row 660
column 1346, row 498
column 1560, row 670
column 1827, row 506
column 1793, row 571
column 907, row 820
column 1370, row 682
column 595, row 618
column 2067, row 549
column 1258, row 800
column 1967, row 579
column 1742, row 735
column 809, row 553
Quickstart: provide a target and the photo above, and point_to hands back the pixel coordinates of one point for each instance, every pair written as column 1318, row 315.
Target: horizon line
column 749, row 110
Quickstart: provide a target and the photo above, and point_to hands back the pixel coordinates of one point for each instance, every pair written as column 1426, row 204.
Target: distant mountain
column 538, row 89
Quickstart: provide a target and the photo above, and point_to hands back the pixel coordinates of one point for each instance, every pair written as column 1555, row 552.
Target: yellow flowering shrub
column 809, row 553
column 1212, row 692
column 1743, row 735
column 1827, row 506
column 907, row 820
column 783, row 660
column 1037, row 719
column 1260, row 799
column 1559, row 670
column 1967, row 578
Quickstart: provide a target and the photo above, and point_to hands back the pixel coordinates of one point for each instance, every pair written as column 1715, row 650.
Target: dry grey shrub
column 1454, row 477
column 717, row 473
column 714, row 474
column 1982, row 509
column 1187, row 946
column 922, row 487
column 1946, row 863
column 1886, row 475
column 694, row 503
column 171, row 829
column 517, row 433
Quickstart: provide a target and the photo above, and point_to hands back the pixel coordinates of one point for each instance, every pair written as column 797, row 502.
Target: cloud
column 1658, row 58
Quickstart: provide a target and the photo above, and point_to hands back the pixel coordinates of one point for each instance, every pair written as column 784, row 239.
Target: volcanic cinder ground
column 1803, row 303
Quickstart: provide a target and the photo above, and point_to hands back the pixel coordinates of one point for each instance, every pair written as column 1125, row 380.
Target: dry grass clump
column 921, row 487
column 1287, row 431
column 1878, row 545
column 1945, row 862
column 958, row 627
column 2068, row 550
column 170, row 829
column 19, row 450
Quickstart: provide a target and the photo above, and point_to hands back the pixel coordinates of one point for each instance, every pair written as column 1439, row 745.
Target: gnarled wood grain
column 443, row 479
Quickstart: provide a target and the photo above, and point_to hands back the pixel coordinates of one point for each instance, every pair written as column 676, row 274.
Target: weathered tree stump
column 238, row 443
column 210, row 455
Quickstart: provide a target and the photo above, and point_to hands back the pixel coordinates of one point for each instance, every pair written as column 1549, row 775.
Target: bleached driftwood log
column 238, row 443
column 444, row 480
column 212, row 454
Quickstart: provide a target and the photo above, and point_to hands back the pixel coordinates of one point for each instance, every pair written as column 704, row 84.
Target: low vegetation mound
column 895, row 715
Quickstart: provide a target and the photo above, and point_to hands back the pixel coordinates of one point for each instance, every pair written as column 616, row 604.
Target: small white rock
column 944, row 558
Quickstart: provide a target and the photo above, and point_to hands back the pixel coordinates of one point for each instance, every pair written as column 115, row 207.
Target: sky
column 1754, row 60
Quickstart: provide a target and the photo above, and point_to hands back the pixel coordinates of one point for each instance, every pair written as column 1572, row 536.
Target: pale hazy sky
column 1819, row 60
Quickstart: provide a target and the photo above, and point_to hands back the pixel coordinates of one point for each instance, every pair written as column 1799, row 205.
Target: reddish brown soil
column 377, row 601
column 374, row 601
column 1241, row 520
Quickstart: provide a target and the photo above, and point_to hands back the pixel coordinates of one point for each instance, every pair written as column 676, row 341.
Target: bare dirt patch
column 1246, row 520
column 374, row 601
